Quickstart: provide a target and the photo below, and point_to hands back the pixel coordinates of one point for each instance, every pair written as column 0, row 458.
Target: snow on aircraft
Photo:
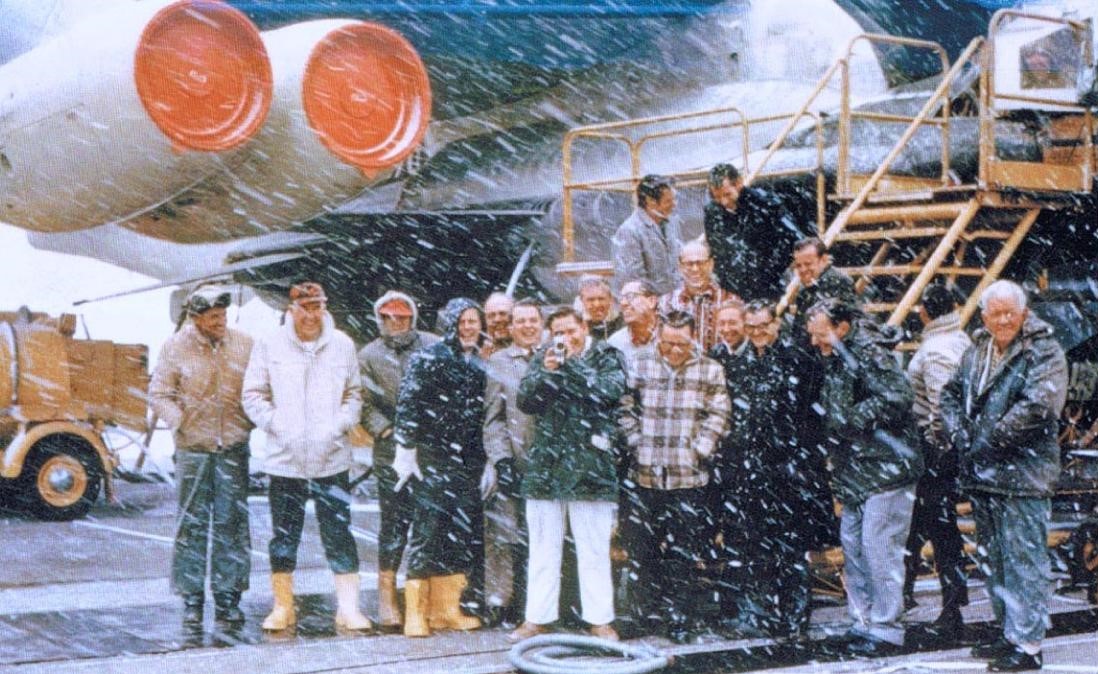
column 371, row 145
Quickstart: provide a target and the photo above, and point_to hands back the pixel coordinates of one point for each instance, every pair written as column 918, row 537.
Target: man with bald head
column 698, row 295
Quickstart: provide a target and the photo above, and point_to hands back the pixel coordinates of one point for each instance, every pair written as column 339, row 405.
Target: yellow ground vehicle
column 57, row 396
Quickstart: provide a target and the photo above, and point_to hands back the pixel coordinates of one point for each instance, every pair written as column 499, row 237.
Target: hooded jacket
column 867, row 401
column 383, row 362
column 440, row 406
column 305, row 400
column 1006, row 429
column 195, row 389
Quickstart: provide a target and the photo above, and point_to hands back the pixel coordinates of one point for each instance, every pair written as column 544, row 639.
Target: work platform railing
column 895, row 233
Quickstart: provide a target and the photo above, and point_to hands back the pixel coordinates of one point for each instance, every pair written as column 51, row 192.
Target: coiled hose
column 558, row 653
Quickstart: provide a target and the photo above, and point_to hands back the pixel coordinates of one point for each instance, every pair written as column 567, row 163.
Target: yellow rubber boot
column 388, row 610
column 417, row 599
column 348, row 616
column 446, row 604
column 282, row 616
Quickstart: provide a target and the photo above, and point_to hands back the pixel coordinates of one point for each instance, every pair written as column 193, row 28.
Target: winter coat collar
column 1033, row 328
column 326, row 330
column 951, row 322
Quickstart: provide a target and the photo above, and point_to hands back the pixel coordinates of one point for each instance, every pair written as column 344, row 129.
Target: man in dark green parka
column 573, row 389
column 875, row 461
column 1001, row 411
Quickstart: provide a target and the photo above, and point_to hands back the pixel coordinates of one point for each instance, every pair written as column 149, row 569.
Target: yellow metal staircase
column 895, row 234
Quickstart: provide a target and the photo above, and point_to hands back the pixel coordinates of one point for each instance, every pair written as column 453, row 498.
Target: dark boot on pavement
column 993, row 649
column 192, row 610
column 227, row 609
column 1015, row 661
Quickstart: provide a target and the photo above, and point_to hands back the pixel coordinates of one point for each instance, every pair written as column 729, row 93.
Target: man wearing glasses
column 762, row 473
column 383, row 362
column 1000, row 411
column 303, row 389
column 674, row 413
column 698, row 294
column 638, row 307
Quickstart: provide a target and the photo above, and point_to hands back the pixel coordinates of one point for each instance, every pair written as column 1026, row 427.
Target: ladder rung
column 878, row 307
column 986, row 234
column 880, row 214
column 917, row 233
column 893, row 233
column 900, row 197
column 907, row 269
column 601, row 267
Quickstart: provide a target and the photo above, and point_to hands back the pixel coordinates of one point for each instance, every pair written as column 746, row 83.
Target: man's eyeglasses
column 691, row 264
column 678, row 346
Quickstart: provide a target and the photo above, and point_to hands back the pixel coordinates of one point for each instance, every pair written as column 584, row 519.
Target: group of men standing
column 707, row 422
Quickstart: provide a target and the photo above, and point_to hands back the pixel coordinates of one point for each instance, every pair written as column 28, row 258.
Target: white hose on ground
column 556, row 653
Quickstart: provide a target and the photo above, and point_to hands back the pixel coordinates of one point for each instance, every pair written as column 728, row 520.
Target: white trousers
column 591, row 523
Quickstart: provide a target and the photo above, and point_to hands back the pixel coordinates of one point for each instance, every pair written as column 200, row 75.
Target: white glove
column 405, row 465
column 488, row 481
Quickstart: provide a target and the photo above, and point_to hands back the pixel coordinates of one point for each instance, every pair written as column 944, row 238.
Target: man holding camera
column 572, row 389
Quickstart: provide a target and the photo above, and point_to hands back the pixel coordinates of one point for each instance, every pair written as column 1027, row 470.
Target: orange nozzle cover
column 203, row 75
column 367, row 96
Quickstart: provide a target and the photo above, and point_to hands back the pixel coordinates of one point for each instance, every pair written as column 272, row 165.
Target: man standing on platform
column 646, row 246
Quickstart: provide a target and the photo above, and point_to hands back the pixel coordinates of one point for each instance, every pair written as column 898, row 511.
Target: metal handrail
column 989, row 95
column 842, row 177
column 941, row 91
column 600, row 132
column 611, row 131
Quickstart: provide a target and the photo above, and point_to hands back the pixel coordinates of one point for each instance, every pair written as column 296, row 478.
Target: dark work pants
column 447, row 525
column 669, row 534
column 765, row 579
column 396, row 519
column 213, row 522
column 332, row 496
column 935, row 520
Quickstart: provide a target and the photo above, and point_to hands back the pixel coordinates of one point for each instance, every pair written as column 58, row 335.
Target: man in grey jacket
column 508, row 434
column 383, row 362
column 646, row 246
column 1001, row 412
column 303, row 388
column 195, row 389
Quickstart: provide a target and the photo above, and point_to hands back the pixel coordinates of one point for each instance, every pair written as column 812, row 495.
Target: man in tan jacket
column 195, row 390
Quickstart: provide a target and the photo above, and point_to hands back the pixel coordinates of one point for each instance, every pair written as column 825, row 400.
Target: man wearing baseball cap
column 302, row 388
column 195, row 390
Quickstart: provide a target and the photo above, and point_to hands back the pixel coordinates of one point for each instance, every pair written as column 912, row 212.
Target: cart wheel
column 61, row 478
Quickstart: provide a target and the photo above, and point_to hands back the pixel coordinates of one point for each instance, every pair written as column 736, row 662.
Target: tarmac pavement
column 92, row 596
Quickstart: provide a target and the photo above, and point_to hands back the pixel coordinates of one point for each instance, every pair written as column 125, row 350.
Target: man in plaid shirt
column 674, row 413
